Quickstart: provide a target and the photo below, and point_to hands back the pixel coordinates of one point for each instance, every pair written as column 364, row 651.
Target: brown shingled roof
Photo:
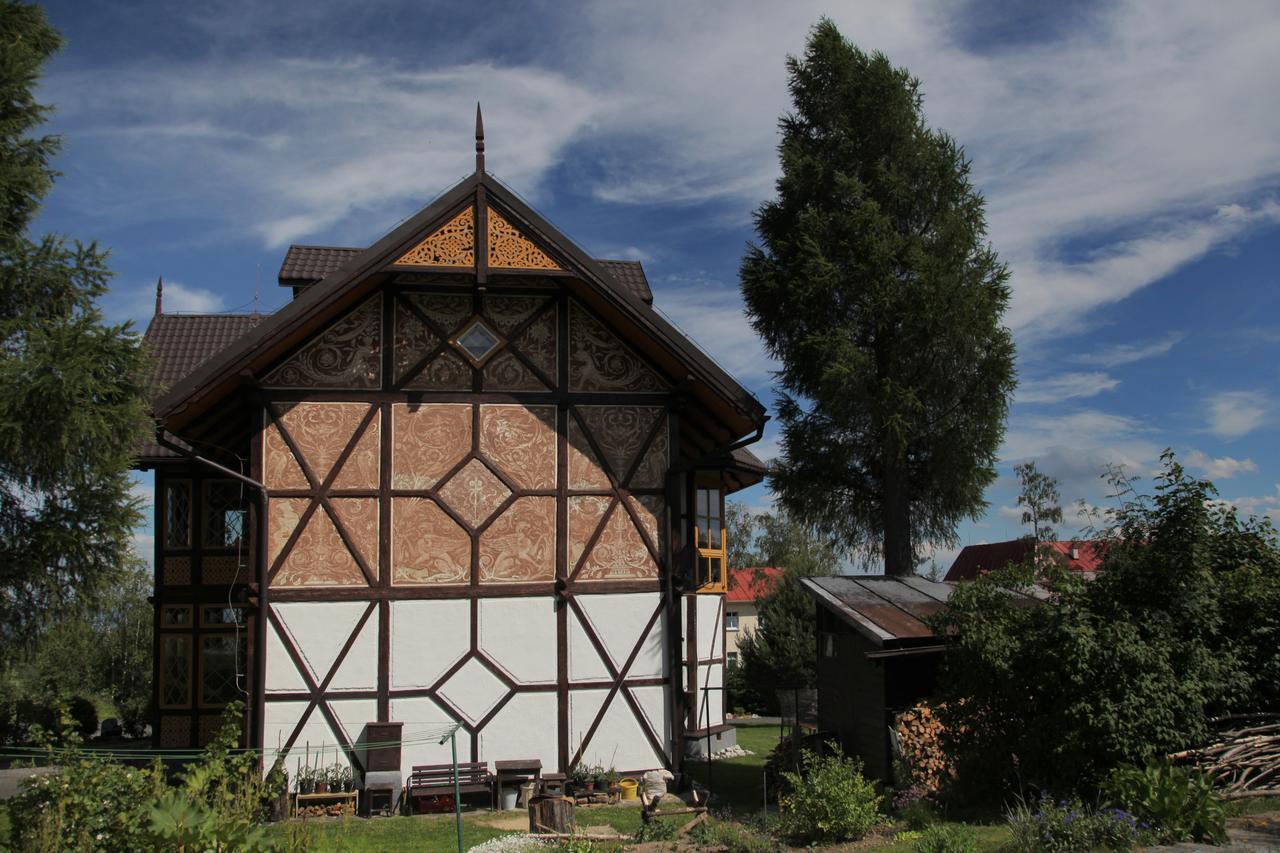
column 179, row 343
column 304, row 265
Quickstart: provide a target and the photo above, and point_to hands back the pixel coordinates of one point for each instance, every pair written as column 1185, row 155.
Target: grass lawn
column 737, row 782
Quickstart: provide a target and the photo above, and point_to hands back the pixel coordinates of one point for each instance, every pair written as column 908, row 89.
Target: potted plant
column 341, row 778
column 321, row 780
column 306, row 780
column 277, row 791
column 608, row 779
column 579, row 775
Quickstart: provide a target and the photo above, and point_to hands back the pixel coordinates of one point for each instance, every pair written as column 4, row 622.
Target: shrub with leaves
column 1179, row 626
column 1067, row 826
column 947, row 838
column 178, row 822
column 829, row 800
column 1177, row 802
column 90, row 803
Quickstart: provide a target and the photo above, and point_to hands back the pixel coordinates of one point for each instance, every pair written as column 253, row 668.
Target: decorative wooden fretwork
column 452, row 245
column 209, row 726
column 177, row 571
column 222, row 571
column 346, row 355
column 175, row 731
column 509, row 249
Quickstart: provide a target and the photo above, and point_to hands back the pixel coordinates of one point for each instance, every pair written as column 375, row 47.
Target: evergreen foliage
column 1179, row 626
column 72, row 403
column 874, row 287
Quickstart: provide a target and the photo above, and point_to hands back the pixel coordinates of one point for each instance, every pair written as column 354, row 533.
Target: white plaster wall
column 619, row 620
column 473, row 690
column 423, row 722
column 427, row 637
column 618, row 742
column 655, row 701
column 712, row 676
column 353, row 715
column 526, row 727
column 282, row 674
column 280, row 719
column 319, row 630
column 520, row 635
column 710, row 626
column 359, row 669
column 584, row 663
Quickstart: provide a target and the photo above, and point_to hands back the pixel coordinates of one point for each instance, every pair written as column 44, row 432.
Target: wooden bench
column 428, row 780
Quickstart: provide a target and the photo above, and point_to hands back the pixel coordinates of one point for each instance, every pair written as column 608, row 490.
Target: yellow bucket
column 629, row 788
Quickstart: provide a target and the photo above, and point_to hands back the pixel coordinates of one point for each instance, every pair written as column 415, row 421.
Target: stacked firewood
column 341, row 809
column 919, row 742
column 1243, row 757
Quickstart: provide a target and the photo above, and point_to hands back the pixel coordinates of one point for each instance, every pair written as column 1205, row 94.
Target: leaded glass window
column 221, row 616
column 175, row 670
column 178, row 616
column 477, row 342
column 223, row 514
column 221, row 663
column 177, row 514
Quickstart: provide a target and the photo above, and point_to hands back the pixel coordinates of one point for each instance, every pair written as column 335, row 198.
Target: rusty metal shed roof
column 890, row 612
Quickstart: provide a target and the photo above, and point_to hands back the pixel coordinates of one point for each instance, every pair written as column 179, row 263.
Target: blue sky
column 1129, row 153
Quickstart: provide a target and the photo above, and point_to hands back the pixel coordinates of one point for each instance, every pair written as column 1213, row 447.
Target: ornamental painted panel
column 651, row 510
column 620, row 432
column 346, row 355
column 520, row 545
column 280, row 468
column 427, row 546
column 538, row 343
column 446, row 372
column 413, row 341
column 509, row 249
column 446, row 310
column 598, row 361
column 319, row 557
column 474, row 493
column 619, row 553
column 452, row 245
column 321, row 431
column 585, row 470
column 508, row 312
column 651, row 473
column 521, row 440
column 505, row 372
column 428, row 440
column 359, row 517
column 360, row 471
column 585, row 512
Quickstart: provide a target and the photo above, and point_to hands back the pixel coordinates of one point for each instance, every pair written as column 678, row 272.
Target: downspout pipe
column 258, row 729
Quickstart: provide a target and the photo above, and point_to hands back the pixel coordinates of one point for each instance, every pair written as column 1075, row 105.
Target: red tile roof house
column 745, row 586
column 976, row 560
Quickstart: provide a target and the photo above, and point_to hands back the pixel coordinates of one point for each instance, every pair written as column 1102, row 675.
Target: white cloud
column 1232, row 414
column 1067, row 386
column 712, row 314
column 1114, row 356
column 1010, row 513
column 138, row 303
column 1267, row 506
column 1073, row 138
column 1221, row 468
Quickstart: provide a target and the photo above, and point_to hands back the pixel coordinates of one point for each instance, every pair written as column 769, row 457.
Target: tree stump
column 551, row 814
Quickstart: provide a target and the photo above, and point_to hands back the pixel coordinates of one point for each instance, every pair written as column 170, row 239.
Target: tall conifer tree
column 72, row 402
column 875, row 288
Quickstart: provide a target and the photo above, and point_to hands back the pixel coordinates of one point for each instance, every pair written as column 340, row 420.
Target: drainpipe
column 258, row 729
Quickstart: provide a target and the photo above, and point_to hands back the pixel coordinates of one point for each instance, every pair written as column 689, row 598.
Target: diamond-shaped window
column 478, row 342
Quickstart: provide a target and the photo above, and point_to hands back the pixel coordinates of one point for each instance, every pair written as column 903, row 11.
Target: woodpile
column 340, row 809
column 919, row 742
column 1243, row 758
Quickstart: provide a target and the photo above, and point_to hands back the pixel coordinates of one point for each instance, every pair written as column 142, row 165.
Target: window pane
column 175, row 670
column 177, row 514
column 175, row 617
column 219, row 664
column 222, row 615
column 731, row 620
column 478, row 341
column 702, row 502
column 223, row 514
column 713, row 535
column 716, row 570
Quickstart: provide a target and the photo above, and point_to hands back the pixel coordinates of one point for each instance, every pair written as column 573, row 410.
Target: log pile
column 1243, row 758
column 919, row 742
column 339, row 809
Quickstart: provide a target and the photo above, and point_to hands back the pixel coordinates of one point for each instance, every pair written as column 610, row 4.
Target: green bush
column 829, row 800
column 1178, row 627
column 1176, row 802
column 918, row 813
column 1067, row 826
column 947, row 838
column 90, row 803
column 178, row 822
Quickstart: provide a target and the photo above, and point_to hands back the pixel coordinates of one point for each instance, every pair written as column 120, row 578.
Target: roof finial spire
column 160, row 295
column 479, row 140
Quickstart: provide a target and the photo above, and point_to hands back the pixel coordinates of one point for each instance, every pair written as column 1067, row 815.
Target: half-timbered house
column 468, row 474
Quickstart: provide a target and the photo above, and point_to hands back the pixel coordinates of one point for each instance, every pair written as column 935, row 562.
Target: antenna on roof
column 479, row 140
column 160, row 295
